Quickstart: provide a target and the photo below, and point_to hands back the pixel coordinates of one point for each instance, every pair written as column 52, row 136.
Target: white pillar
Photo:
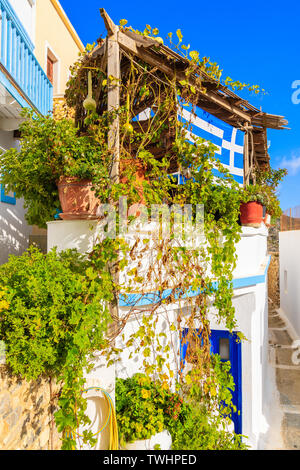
column 83, row 235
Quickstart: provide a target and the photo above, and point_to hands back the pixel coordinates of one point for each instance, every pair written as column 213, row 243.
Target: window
column 52, row 69
column 224, row 349
column 7, row 198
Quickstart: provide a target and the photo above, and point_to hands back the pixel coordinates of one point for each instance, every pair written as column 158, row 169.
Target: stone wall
column 273, row 239
column 273, row 273
column 26, row 414
column 273, row 280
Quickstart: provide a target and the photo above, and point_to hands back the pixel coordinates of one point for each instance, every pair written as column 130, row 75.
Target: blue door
column 229, row 348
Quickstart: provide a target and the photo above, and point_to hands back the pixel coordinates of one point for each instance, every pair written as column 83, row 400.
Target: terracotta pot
column 77, row 199
column 251, row 214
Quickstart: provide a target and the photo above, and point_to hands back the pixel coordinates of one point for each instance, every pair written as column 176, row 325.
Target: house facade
column 238, row 130
column 38, row 45
column 289, row 257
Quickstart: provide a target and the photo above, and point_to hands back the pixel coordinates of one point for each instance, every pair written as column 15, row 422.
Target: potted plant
column 259, row 202
column 270, row 179
column 251, row 210
column 140, row 405
column 55, row 168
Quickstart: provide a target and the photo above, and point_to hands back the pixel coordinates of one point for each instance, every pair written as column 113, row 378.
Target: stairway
column 287, row 380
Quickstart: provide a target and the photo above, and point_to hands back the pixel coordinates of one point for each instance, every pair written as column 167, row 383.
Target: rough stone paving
column 287, row 380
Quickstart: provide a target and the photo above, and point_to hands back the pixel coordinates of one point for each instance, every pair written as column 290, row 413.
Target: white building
column 289, row 259
column 219, row 117
column 26, row 81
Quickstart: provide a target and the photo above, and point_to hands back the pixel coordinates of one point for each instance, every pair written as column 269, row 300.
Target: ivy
column 53, row 316
column 54, row 308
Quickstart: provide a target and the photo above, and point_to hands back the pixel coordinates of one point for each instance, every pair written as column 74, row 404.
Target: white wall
column 25, row 10
column 251, row 251
column 289, row 259
column 14, row 230
column 251, row 313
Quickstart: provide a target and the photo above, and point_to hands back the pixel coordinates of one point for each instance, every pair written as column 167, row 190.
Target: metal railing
column 19, row 64
column 290, row 219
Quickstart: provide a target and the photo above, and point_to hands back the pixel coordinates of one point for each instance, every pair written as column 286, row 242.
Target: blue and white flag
column 228, row 140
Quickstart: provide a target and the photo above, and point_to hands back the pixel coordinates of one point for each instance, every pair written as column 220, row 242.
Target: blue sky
column 255, row 42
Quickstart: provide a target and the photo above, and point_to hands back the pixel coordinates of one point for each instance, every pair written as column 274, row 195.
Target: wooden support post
column 246, row 158
column 113, row 95
column 113, row 104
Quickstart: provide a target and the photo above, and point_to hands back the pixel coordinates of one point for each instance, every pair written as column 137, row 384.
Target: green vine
column 55, row 307
column 53, row 316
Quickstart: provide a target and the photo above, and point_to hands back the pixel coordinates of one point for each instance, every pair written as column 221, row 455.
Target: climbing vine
column 54, row 308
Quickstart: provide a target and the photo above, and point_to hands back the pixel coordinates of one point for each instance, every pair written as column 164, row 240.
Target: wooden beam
column 113, row 104
column 130, row 45
column 109, row 24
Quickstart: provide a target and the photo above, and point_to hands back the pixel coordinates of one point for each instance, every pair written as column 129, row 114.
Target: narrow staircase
column 287, row 379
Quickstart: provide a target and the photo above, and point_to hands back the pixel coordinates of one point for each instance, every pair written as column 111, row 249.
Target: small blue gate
column 229, row 348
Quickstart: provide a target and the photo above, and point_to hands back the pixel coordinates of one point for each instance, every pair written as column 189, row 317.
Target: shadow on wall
column 26, row 413
column 14, row 231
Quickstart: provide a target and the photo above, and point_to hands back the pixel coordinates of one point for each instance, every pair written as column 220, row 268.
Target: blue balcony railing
column 19, row 65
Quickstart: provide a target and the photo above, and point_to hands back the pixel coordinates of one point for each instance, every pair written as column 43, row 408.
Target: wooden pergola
column 121, row 45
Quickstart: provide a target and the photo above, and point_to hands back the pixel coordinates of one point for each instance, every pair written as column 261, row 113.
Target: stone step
column 288, row 385
column 284, row 357
column 276, row 322
column 291, row 431
column 279, row 337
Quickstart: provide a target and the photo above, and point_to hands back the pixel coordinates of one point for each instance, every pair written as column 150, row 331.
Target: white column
column 83, row 235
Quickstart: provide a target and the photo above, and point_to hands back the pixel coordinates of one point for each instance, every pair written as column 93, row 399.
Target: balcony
column 20, row 72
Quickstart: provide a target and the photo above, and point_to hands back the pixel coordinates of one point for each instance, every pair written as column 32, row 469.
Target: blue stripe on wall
column 141, row 300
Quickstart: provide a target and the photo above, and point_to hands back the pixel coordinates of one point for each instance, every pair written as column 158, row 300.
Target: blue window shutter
column 6, row 199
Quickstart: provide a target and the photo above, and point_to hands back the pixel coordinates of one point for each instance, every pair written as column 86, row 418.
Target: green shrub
column 53, row 315
column 49, row 149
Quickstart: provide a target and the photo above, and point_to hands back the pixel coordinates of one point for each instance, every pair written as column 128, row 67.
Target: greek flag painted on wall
column 228, row 140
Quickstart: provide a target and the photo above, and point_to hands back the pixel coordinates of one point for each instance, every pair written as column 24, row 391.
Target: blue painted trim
column 13, row 15
column 235, row 359
column 6, row 199
column 142, row 300
column 22, row 75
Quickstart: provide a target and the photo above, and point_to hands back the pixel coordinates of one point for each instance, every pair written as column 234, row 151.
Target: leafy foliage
column 140, row 408
column 49, row 149
column 264, row 190
column 53, row 308
column 145, row 407
column 53, row 316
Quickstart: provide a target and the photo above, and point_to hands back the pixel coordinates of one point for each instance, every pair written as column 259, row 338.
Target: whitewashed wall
column 25, row 10
column 289, row 260
column 251, row 313
column 14, row 230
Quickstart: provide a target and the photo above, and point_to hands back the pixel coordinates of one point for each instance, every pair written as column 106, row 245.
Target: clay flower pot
column 251, row 214
column 77, row 199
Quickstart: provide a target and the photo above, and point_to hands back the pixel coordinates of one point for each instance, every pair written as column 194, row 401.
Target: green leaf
column 179, row 35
